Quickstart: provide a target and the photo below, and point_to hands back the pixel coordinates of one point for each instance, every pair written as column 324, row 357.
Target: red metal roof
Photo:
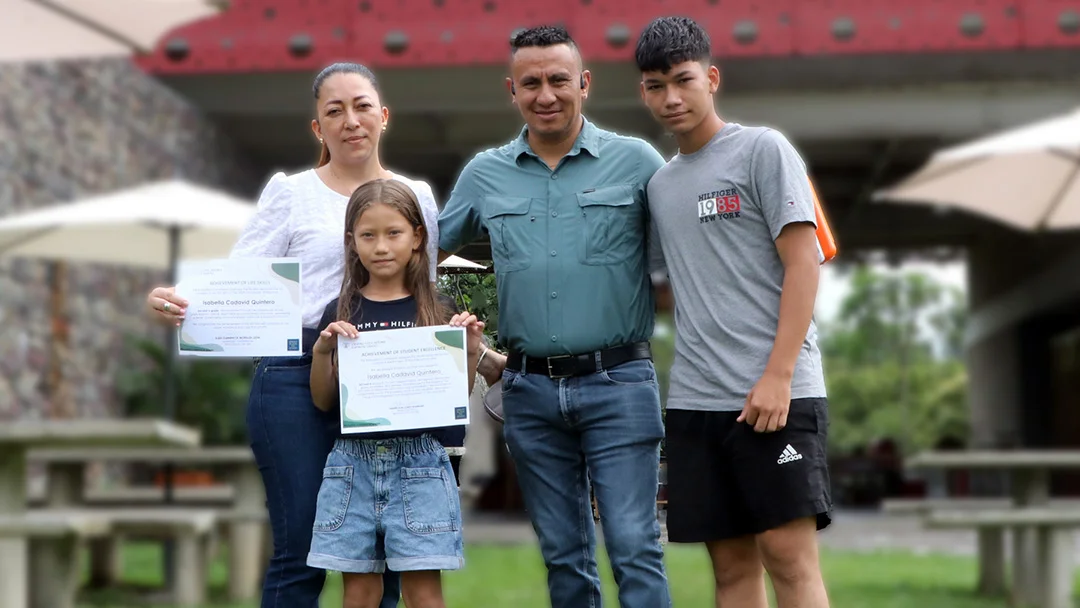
column 287, row 35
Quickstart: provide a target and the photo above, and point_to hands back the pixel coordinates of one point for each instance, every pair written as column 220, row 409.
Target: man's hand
column 767, row 404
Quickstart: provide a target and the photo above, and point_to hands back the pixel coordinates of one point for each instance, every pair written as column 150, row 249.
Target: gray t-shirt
column 715, row 215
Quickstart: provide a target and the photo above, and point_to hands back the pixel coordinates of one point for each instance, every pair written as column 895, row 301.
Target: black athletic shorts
column 726, row 481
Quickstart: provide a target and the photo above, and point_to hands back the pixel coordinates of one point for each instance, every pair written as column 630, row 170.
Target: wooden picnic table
column 1029, row 485
column 17, row 438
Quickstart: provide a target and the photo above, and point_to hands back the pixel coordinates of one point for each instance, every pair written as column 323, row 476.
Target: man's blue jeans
column 605, row 428
column 291, row 439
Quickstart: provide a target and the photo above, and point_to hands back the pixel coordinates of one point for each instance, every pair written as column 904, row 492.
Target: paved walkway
column 862, row 531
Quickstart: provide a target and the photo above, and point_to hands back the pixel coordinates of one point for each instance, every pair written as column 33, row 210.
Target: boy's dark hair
column 669, row 41
column 541, row 36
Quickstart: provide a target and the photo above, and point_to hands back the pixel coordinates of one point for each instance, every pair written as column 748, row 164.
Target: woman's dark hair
column 399, row 197
column 340, row 68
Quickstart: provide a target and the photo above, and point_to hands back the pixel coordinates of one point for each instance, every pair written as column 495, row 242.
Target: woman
column 302, row 216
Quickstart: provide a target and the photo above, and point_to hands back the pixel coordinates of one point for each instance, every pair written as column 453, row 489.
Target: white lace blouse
column 300, row 216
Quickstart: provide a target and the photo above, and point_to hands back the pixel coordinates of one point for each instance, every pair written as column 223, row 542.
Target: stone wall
column 68, row 130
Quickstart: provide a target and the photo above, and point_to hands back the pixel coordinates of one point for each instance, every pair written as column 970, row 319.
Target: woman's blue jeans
column 291, row 439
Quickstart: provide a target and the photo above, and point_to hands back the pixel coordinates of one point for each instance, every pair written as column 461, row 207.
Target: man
column 733, row 225
column 564, row 205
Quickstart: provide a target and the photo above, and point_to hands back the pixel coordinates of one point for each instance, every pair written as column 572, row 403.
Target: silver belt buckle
column 551, row 374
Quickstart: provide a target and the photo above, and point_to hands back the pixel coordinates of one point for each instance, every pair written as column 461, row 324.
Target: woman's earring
column 384, row 126
column 320, row 140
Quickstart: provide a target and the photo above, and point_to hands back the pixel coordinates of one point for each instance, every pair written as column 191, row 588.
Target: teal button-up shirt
column 569, row 245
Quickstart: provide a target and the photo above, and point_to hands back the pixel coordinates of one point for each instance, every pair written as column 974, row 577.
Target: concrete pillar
column 190, row 569
column 13, row 550
column 993, row 362
column 56, row 573
column 991, row 561
column 245, row 534
column 1056, row 560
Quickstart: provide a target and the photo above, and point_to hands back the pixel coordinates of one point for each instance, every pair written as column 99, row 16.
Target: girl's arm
column 473, row 355
column 474, row 335
column 324, row 378
column 324, row 381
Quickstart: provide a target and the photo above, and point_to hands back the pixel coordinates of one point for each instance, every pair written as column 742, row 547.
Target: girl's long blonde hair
column 398, row 196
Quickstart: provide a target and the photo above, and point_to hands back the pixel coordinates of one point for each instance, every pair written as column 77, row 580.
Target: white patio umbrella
column 1027, row 177
column 149, row 226
column 459, row 262
column 40, row 30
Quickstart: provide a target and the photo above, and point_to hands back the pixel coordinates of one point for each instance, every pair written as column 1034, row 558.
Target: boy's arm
column 797, row 246
column 782, row 190
column 658, row 273
column 665, row 299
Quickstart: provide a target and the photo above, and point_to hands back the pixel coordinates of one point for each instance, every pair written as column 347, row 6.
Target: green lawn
column 498, row 576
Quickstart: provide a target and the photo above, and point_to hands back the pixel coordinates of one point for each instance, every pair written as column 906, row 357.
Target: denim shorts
column 387, row 503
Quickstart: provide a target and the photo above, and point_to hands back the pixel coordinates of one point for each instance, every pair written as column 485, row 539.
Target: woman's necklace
column 339, row 183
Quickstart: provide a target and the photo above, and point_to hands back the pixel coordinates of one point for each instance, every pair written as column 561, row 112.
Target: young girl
column 388, row 500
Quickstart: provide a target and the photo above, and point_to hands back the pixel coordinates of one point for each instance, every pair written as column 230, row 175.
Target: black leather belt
column 565, row 366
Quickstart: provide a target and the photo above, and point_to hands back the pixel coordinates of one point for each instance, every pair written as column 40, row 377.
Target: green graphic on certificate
column 241, row 308
column 402, row 379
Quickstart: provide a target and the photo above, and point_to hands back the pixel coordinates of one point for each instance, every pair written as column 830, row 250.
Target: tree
column 477, row 294
column 212, row 394
column 892, row 362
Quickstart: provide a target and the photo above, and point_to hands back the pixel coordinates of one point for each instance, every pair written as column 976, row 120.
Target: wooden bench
column 54, row 539
column 1054, row 532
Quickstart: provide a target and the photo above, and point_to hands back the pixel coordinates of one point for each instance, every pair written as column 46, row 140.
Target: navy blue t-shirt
column 371, row 315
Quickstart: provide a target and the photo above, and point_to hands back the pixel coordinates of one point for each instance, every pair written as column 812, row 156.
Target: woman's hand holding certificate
column 248, row 307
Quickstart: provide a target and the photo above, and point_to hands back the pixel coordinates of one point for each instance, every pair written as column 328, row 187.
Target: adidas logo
column 789, row 455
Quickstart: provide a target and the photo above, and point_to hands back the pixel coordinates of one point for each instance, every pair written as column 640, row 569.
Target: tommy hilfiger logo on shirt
column 788, row 455
column 384, row 325
column 719, row 205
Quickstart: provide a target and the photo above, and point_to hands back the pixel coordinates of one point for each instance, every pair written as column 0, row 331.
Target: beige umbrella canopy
column 148, row 226
column 42, row 30
column 1027, row 177
column 456, row 262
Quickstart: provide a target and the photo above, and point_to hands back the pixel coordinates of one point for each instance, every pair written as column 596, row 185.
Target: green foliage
column 892, row 362
column 475, row 293
column 211, row 394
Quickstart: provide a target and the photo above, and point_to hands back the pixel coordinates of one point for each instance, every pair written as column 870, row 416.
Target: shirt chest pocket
column 508, row 223
column 613, row 229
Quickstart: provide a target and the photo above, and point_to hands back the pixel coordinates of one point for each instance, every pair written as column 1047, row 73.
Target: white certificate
column 241, row 308
column 402, row 379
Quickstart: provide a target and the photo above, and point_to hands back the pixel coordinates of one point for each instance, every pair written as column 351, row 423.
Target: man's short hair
column 669, row 41
column 541, row 36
